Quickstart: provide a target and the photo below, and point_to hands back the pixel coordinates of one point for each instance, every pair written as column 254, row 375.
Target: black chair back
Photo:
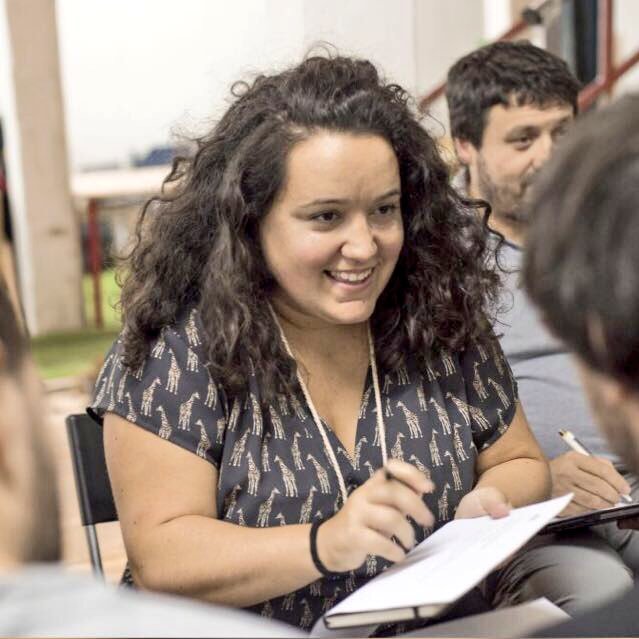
column 91, row 479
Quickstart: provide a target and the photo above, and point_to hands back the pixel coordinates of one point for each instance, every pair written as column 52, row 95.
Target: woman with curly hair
column 305, row 321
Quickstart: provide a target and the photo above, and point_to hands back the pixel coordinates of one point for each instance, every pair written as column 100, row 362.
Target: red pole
column 604, row 37
column 95, row 259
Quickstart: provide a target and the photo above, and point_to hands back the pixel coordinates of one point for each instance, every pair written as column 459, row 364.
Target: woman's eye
column 387, row 209
column 325, row 216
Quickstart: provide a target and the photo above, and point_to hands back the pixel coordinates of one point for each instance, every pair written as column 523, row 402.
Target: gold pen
column 571, row 441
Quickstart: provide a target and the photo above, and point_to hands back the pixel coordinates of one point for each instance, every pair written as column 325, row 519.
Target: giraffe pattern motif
column 458, row 444
column 288, row 477
column 449, row 366
column 253, row 473
column 297, row 455
column 443, row 505
column 205, row 443
column 278, row 429
column 479, row 385
column 457, row 482
column 442, row 415
column 121, row 387
column 147, row 397
column 192, row 362
column 365, row 401
column 397, row 452
column 173, row 379
column 157, row 351
column 186, row 408
column 273, row 467
column 165, row 428
column 266, row 464
column 257, row 416
column 501, row 393
column 461, row 406
column 220, row 427
column 211, row 394
column 412, row 421
column 322, row 475
column 265, row 508
column 307, row 507
column 191, row 331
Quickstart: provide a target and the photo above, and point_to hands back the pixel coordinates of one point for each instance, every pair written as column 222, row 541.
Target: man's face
column 29, row 517
column 517, row 142
column 617, row 413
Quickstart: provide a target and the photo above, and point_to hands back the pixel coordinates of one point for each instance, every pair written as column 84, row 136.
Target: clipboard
column 591, row 518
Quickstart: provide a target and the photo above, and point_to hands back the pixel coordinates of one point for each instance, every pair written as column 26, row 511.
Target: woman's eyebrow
column 341, row 201
column 323, row 202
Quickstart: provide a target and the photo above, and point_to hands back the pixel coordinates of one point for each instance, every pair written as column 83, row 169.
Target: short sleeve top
column 273, row 467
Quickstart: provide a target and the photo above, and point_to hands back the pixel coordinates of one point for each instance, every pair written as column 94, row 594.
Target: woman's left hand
column 483, row 501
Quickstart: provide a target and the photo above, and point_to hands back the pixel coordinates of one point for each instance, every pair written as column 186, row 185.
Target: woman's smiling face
column 334, row 233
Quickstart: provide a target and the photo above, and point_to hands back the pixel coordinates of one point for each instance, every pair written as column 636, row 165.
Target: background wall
column 134, row 73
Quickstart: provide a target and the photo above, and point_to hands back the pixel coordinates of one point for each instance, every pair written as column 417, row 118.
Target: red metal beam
column 597, row 87
column 604, row 45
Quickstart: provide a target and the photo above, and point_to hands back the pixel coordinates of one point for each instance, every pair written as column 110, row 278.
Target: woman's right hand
column 374, row 513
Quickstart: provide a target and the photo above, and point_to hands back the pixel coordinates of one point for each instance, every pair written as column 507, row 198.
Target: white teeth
column 351, row 277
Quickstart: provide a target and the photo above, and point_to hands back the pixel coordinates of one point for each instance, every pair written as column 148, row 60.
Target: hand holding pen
column 375, row 518
column 596, row 470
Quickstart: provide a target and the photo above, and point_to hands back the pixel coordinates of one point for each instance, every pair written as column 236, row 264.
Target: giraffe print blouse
column 273, row 469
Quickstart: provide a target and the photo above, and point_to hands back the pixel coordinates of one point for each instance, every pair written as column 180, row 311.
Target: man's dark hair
column 582, row 261
column 12, row 339
column 504, row 73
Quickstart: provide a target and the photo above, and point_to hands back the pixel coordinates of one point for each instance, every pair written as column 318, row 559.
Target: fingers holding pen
column 402, row 487
column 375, row 517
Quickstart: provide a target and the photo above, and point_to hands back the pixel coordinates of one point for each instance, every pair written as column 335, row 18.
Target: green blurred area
column 80, row 353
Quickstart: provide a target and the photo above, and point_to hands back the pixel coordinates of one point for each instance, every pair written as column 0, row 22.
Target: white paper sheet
column 452, row 560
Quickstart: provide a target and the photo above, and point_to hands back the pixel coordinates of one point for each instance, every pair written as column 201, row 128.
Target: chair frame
column 92, row 484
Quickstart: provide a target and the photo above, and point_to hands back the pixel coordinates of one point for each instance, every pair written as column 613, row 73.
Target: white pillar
column 46, row 231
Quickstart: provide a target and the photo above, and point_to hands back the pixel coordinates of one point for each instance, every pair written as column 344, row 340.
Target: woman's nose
column 359, row 243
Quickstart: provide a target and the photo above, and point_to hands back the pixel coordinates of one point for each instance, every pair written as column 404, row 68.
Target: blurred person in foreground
column 304, row 311
column 37, row 597
column 584, row 277
column 510, row 104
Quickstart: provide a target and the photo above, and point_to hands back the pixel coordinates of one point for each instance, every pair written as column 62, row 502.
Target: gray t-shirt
column 45, row 601
column 549, row 387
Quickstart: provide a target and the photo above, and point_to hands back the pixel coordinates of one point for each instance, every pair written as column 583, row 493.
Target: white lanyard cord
column 381, row 429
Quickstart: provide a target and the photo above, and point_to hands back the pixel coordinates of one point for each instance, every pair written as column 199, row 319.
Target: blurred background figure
column 584, row 276
column 39, row 598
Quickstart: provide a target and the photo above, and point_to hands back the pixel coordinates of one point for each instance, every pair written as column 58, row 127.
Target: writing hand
column 373, row 514
column 594, row 481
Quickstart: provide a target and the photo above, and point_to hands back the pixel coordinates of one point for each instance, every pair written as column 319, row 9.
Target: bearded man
column 510, row 104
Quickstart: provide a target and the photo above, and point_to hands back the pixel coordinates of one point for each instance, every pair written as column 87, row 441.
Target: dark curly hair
column 197, row 244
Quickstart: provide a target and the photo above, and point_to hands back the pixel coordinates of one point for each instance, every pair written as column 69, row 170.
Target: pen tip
column 562, row 432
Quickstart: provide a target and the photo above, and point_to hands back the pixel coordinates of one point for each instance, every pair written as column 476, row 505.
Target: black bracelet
column 315, row 557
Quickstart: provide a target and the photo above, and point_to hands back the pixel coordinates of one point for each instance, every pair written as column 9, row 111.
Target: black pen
column 390, row 477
